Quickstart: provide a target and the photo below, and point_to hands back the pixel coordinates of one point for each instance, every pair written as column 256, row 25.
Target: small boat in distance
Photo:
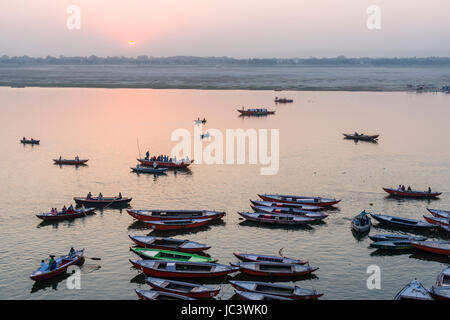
column 101, row 201
column 286, row 205
column 361, row 222
column 205, row 135
column 169, row 244
column 192, row 290
column 65, row 215
column 412, row 193
column 176, row 269
column 413, row 291
column 169, row 163
column 281, row 290
column 61, row 263
column 283, row 100
column 30, row 141
column 248, row 257
column 255, row 112
column 402, row 222
column 315, row 201
column 152, row 170
column 74, row 162
column 159, row 295
column 361, row 137
column 198, row 121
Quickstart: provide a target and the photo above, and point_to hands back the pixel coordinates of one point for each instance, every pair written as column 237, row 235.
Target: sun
column 131, row 42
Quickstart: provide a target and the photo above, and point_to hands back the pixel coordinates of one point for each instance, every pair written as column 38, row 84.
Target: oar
column 93, row 258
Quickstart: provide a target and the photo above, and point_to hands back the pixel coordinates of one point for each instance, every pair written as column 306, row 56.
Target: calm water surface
column 106, row 126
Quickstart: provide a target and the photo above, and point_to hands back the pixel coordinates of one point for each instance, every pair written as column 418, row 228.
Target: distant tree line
column 191, row 60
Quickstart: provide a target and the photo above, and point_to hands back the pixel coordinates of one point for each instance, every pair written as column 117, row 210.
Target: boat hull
column 300, row 201
column 412, row 194
column 65, row 216
column 161, row 226
column 48, row 275
column 103, row 202
column 165, row 164
column 174, row 247
column 192, row 215
column 424, row 246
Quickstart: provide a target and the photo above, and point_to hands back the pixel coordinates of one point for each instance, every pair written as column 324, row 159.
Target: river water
column 110, row 127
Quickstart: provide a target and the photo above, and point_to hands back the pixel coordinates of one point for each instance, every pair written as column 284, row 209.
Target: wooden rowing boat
column 274, row 269
column 155, row 215
column 255, row 112
column 158, row 254
column 437, row 221
column 166, row 164
column 440, row 213
column 281, row 290
column 361, row 137
column 286, row 205
column 192, row 290
column 248, row 257
column 151, row 170
column 247, row 295
column 316, row 201
column 361, row 224
column 62, row 263
column 177, row 224
column 277, row 219
column 283, row 100
column 77, row 213
column 296, row 212
column 413, row 291
column 412, row 193
column 160, row 295
column 438, row 247
column 443, row 279
column 393, row 245
column 26, row 141
column 105, row 201
column 176, row 269
column 402, row 222
column 73, row 162
column 169, row 244
column 389, row 237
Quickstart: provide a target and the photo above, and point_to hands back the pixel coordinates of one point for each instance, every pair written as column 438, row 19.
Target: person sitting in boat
column 64, row 209
column 399, row 187
column 120, row 195
column 89, row 196
column 24, row 139
column 60, row 158
column 147, row 155
column 71, row 209
column 100, row 196
column 409, row 189
column 187, row 158
column 77, row 158
column 429, row 190
column 403, row 188
column 44, row 266
column 52, row 265
column 356, row 134
column 71, row 252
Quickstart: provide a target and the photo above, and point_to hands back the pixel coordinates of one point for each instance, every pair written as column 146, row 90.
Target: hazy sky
column 236, row 28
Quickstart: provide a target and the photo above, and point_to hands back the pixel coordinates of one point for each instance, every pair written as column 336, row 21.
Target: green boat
column 157, row 254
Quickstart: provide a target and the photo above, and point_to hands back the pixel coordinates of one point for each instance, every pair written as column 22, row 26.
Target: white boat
column 140, row 169
column 361, row 223
column 413, row 291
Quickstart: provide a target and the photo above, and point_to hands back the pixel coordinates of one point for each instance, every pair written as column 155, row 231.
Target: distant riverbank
column 227, row 77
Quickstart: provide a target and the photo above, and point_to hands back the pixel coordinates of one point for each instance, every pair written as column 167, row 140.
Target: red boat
column 255, row 112
column 192, row 290
column 440, row 213
column 316, row 201
column 412, row 193
column 156, row 215
column 166, row 164
column 71, row 162
column 438, row 247
column 54, row 216
column 177, row 224
column 438, row 221
column 176, row 269
column 62, row 263
column 274, row 269
column 169, row 244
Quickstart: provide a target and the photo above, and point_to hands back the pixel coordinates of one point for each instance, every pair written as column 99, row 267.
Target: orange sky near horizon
column 250, row 28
